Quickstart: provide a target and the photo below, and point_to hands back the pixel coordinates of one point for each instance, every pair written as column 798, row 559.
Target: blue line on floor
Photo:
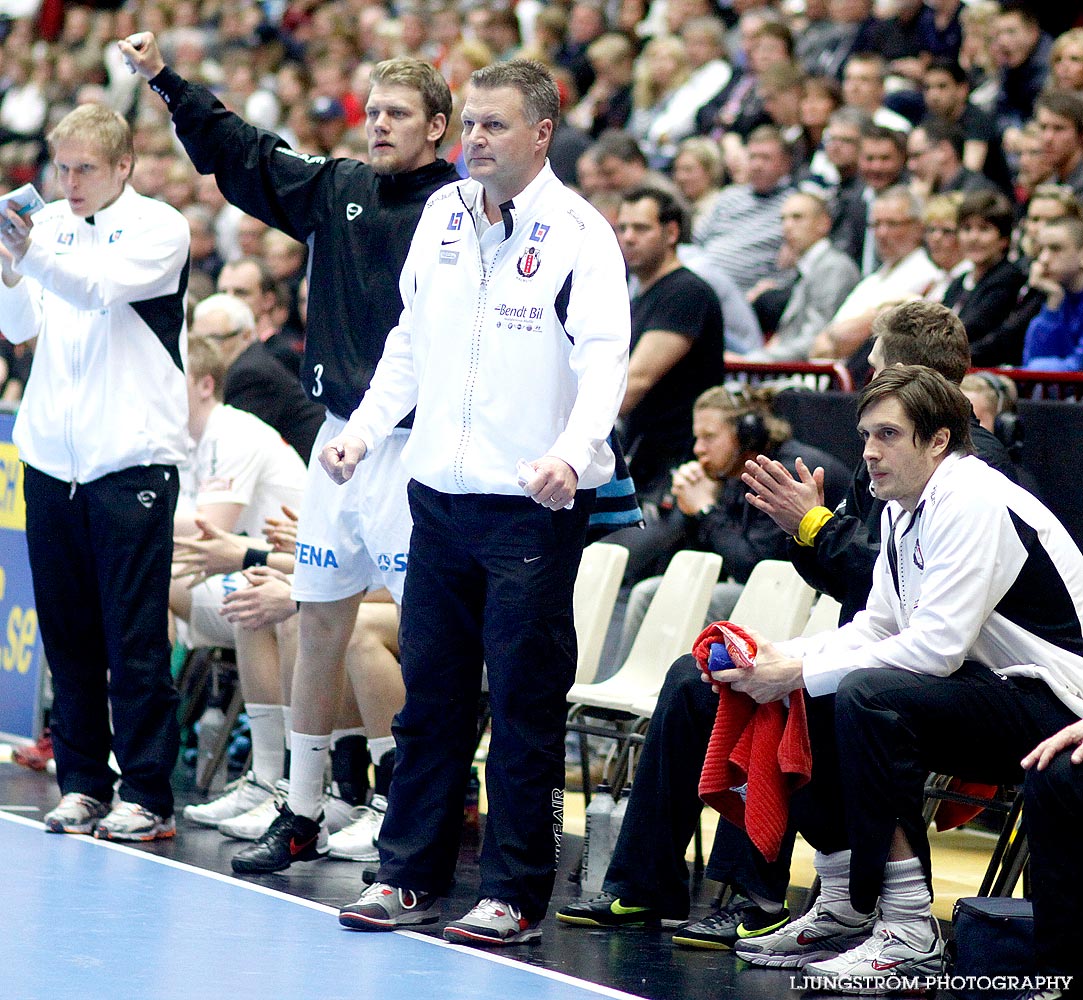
column 87, row 919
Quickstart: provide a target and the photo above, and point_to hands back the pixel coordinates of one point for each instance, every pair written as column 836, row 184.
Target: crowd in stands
column 735, row 107
column 777, row 176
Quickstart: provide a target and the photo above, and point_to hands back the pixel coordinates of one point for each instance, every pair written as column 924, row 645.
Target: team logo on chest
column 456, row 222
column 528, row 263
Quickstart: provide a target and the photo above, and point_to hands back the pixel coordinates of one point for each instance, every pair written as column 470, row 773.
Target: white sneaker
column 75, row 813
column 357, row 841
column 241, row 795
column 876, row 966
column 129, row 821
column 815, row 937
column 337, row 813
column 254, row 823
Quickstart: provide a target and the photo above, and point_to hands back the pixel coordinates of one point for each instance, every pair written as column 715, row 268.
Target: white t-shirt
column 240, row 459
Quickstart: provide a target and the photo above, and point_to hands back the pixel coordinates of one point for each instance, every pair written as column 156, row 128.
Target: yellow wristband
column 811, row 524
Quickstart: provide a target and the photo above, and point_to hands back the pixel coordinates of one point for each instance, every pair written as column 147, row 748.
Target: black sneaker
column 737, row 919
column 606, row 910
column 289, row 838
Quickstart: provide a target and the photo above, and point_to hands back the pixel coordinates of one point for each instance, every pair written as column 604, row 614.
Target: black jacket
column 259, row 383
column 357, row 224
column 988, row 304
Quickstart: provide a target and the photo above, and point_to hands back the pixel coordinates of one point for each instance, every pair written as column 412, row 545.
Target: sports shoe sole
column 635, row 921
column 608, row 919
column 85, row 829
column 786, row 961
column 135, row 838
column 369, row 858
column 205, row 824
column 244, row 866
column 707, row 944
column 33, row 763
column 462, row 935
column 360, row 922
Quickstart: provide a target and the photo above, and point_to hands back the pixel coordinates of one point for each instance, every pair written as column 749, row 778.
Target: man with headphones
column 705, row 508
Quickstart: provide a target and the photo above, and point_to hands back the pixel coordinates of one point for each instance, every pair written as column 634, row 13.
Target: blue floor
column 94, row 921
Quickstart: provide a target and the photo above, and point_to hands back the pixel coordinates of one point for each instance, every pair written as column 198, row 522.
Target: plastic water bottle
column 597, row 842
column 212, row 723
column 616, row 818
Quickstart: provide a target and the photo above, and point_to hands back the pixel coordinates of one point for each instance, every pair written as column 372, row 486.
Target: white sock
column 380, row 745
column 287, row 723
column 268, row 741
column 765, row 904
column 308, row 760
column 906, row 903
column 834, row 872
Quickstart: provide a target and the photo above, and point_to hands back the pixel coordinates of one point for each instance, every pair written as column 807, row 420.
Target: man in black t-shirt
column 677, row 339
column 947, row 95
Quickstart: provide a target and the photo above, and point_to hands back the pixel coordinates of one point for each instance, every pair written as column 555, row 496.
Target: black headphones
column 1007, row 427
column 752, row 433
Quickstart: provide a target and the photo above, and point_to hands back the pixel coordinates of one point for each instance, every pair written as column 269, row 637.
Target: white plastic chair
column 775, row 602
column 596, row 589
column 673, row 620
column 824, row 616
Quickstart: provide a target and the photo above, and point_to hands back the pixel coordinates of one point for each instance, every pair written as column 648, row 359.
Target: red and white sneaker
column 493, row 922
column 131, row 822
column 35, row 756
column 76, row 813
column 384, row 907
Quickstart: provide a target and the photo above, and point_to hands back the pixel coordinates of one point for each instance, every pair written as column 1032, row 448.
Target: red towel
column 761, row 745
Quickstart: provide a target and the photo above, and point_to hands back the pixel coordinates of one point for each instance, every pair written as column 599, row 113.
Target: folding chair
column 596, row 588
column 673, row 619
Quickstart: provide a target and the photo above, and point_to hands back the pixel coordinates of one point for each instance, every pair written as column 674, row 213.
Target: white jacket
column 481, row 351
column 106, row 301
column 985, row 572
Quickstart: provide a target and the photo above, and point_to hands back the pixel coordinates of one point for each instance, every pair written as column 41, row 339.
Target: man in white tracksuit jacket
column 100, row 279
column 513, row 346
column 968, row 654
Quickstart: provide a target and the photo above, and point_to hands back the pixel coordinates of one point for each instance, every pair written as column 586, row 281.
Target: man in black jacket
column 834, row 550
column 358, row 220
